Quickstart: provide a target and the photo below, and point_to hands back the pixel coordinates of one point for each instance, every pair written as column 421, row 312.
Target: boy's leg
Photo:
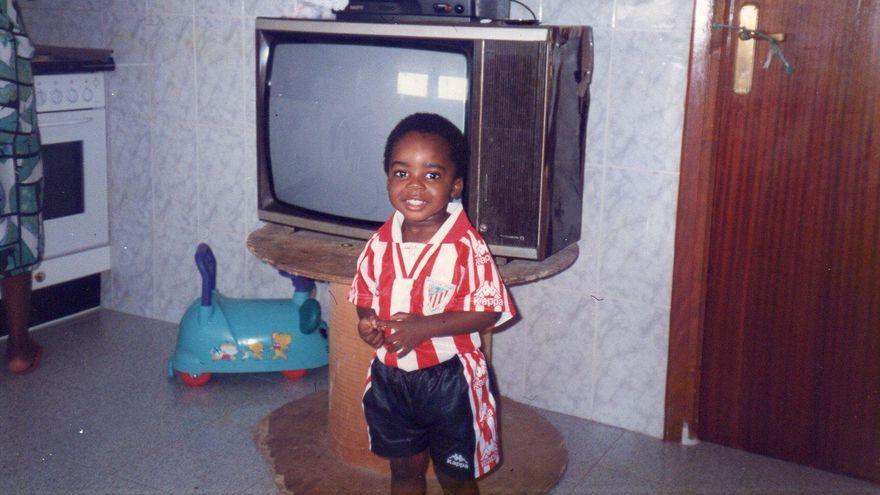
column 456, row 486
column 408, row 474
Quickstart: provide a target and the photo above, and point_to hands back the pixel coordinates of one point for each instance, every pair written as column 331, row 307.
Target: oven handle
column 60, row 123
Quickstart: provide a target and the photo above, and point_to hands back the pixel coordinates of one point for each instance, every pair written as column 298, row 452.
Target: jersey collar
column 455, row 211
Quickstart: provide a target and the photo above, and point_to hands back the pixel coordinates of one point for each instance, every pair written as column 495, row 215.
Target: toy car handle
column 300, row 284
column 207, row 266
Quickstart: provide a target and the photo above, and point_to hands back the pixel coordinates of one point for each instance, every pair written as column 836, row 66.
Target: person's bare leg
column 21, row 349
column 408, row 474
column 456, row 486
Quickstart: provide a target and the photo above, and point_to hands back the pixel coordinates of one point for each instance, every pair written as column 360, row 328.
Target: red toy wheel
column 196, row 380
column 293, row 374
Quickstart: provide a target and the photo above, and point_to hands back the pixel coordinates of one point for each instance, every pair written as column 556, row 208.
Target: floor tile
column 603, row 479
column 115, row 485
column 648, row 458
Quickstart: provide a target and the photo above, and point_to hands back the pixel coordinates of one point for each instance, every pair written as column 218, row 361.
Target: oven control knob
column 72, row 95
column 87, row 94
column 56, row 96
column 39, row 276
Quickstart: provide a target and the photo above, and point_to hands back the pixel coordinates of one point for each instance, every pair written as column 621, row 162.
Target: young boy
column 426, row 285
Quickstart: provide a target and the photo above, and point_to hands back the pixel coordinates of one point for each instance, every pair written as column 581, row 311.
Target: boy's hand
column 368, row 329
column 407, row 331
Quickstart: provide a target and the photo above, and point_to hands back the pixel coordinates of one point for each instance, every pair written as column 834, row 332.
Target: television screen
column 331, row 107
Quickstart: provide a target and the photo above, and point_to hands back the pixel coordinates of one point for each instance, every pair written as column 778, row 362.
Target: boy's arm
column 410, row 330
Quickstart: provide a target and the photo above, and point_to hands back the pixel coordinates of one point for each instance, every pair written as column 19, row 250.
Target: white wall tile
column 176, row 281
column 229, row 8
column 222, row 183
column 270, row 8
column 72, row 27
column 587, row 265
column 130, row 175
column 175, row 177
column 131, row 278
column 596, row 13
column 597, row 117
column 123, row 7
column 249, row 71
column 648, row 74
column 653, row 14
column 129, row 34
column 173, row 57
column 171, row 7
column 249, row 161
column 130, row 91
column 131, row 219
column 560, row 367
column 638, row 225
column 42, row 25
column 219, row 56
column 68, row 5
column 630, row 378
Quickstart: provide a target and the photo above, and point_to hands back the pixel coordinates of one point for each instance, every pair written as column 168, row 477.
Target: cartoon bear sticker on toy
column 254, row 350
column 280, row 343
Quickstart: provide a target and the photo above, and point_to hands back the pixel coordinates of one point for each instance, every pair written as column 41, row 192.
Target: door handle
column 744, row 66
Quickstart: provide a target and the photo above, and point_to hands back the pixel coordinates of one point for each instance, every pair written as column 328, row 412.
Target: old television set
column 329, row 92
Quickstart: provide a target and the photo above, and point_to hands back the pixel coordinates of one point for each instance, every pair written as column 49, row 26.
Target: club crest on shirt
column 487, row 295
column 437, row 296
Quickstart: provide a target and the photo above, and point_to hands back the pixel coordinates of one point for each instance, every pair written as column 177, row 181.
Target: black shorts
column 447, row 409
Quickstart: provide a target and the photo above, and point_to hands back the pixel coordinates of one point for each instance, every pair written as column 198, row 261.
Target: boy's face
column 422, row 179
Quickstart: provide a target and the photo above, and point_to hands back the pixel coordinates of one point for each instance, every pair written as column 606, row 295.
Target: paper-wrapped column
column 349, row 359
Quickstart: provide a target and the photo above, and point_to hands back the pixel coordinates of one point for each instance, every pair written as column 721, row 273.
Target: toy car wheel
column 293, row 374
column 194, row 380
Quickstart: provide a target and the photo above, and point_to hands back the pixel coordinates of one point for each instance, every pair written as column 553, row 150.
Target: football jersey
column 453, row 271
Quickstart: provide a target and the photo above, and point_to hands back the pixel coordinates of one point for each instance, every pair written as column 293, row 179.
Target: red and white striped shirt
column 453, row 271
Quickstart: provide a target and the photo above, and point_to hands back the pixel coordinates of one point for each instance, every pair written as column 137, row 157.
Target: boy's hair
column 431, row 123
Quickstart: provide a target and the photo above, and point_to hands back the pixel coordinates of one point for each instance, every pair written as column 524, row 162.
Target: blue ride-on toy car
column 219, row 334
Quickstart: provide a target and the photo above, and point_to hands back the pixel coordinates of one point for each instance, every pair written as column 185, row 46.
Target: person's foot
column 23, row 358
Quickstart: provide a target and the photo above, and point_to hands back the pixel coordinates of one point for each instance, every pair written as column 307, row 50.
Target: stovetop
column 64, row 60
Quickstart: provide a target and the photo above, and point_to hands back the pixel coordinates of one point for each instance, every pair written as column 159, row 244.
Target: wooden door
column 790, row 303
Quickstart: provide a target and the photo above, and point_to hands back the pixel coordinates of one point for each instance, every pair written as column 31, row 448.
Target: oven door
column 74, row 149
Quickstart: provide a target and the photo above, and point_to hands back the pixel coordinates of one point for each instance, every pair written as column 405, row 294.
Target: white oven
column 72, row 123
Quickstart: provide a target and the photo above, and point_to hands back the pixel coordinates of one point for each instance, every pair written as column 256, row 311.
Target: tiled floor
column 100, row 416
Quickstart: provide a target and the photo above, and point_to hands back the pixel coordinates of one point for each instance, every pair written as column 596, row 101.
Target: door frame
column 692, row 224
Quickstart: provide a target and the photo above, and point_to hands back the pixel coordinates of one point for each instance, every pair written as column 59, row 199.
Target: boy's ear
column 457, row 186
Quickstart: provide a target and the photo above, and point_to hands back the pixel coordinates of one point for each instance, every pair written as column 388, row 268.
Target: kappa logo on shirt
column 481, row 374
column 487, row 295
column 486, row 413
column 489, row 455
column 481, row 254
column 457, row 460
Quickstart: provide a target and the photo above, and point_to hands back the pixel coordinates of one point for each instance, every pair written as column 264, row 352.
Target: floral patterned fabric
column 21, row 166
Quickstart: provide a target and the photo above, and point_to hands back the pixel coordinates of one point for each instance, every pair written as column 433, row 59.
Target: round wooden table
column 524, row 433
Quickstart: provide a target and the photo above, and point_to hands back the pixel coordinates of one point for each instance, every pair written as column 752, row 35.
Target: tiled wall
column 593, row 339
